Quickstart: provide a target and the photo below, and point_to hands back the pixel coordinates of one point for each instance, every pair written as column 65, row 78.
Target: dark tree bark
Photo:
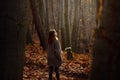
column 111, row 20
column 43, row 11
column 13, row 25
column 106, row 65
column 29, row 37
column 46, row 17
column 38, row 24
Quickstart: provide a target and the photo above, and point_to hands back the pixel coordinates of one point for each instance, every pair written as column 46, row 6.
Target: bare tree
column 67, row 25
column 38, row 24
column 75, row 25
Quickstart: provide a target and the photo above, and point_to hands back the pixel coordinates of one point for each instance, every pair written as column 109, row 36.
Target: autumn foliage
column 35, row 66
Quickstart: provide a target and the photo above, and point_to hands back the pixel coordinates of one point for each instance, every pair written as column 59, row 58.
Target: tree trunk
column 63, row 37
column 29, row 37
column 43, row 11
column 38, row 24
column 13, row 27
column 46, row 17
column 108, row 60
column 75, row 26
column 67, row 25
column 111, row 20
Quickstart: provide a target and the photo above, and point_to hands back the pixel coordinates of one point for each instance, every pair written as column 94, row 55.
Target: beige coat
column 54, row 54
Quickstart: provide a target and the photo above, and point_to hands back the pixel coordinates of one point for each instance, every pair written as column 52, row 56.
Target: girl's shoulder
column 56, row 38
column 56, row 41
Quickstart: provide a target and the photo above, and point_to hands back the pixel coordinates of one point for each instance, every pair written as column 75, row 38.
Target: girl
column 54, row 54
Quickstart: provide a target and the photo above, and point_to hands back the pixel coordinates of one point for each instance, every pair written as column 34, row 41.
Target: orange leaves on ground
column 36, row 68
column 79, row 65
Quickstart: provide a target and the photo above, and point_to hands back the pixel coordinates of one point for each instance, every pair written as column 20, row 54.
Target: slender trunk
column 46, row 18
column 63, row 26
column 52, row 14
column 67, row 25
column 59, row 3
column 38, row 24
column 74, row 34
column 43, row 9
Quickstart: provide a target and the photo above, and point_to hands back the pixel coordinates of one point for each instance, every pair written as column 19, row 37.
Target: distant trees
column 74, row 21
column 40, row 16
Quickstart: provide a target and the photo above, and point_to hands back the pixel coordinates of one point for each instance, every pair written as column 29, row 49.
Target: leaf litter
column 36, row 68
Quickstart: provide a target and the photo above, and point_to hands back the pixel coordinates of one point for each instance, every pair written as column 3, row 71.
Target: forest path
column 36, row 68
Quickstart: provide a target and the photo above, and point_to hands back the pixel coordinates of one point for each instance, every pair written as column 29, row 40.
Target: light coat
column 54, row 54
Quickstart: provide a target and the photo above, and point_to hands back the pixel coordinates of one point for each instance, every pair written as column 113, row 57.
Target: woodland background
column 74, row 20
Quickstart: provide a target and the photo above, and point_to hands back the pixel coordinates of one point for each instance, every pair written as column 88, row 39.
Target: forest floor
column 35, row 67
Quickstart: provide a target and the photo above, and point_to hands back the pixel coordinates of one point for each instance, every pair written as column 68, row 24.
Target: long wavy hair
column 51, row 37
